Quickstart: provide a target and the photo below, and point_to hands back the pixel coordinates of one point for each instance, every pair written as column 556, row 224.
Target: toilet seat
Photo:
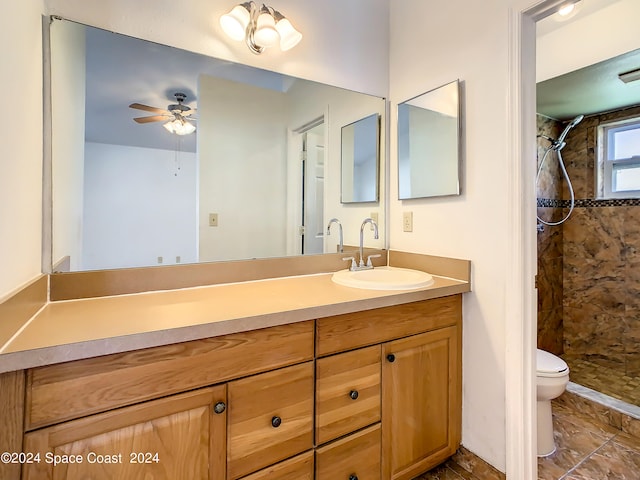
column 548, row 365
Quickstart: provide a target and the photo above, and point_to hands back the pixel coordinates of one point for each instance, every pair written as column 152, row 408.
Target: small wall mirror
column 429, row 144
column 360, row 160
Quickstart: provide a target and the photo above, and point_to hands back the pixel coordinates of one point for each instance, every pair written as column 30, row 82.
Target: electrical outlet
column 213, row 219
column 160, row 260
column 178, row 259
column 407, row 221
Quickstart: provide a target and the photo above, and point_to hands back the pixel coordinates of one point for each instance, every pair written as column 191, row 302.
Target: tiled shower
column 589, row 267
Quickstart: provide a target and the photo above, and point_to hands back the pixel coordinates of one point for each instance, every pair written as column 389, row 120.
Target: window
column 619, row 159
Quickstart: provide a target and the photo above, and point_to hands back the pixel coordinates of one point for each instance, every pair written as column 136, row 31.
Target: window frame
column 606, row 167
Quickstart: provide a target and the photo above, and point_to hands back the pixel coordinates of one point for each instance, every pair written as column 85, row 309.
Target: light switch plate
column 213, row 219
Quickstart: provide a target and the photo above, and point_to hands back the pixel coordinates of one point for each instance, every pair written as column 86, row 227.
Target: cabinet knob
column 219, row 407
column 276, row 422
column 353, row 476
column 353, row 394
column 391, row 358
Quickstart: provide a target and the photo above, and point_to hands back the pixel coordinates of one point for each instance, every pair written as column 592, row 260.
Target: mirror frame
column 457, row 161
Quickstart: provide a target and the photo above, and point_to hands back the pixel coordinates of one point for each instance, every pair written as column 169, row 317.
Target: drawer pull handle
column 219, row 407
column 353, row 476
column 391, row 358
column 276, row 422
column 353, row 394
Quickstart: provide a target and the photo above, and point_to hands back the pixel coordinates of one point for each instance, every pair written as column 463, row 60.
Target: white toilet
column 552, row 378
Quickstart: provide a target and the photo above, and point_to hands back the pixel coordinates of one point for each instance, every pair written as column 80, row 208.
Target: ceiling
column 594, row 88
column 591, row 89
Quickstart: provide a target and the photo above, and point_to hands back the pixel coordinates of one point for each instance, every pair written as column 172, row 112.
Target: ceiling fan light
column 289, row 36
column 235, row 22
column 266, row 34
column 185, row 128
column 179, row 127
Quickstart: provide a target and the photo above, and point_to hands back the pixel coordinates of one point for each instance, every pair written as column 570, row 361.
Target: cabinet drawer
column 359, row 329
column 296, row 468
column 270, row 418
column 357, row 455
column 75, row 389
column 347, row 392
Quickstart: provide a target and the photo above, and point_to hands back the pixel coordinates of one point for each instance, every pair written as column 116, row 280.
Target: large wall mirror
column 429, row 144
column 360, row 160
column 130, row 193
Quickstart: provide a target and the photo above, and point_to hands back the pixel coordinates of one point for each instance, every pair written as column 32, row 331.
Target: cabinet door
column 270, row 418
column 176, row 437
column 421, row 402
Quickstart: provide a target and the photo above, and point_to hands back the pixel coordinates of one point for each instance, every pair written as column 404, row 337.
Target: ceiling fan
column 176, row 115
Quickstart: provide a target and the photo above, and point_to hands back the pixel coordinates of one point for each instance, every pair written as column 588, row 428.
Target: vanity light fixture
column 631, row 76
column 260, row 28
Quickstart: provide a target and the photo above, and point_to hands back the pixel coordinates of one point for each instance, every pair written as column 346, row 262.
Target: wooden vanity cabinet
column 379, row 399
column 420, row 347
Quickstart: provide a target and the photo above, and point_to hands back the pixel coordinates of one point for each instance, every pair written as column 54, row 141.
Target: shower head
column 572, row 124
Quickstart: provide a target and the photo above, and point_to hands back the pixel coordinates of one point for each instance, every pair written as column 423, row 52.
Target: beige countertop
column 83, row 328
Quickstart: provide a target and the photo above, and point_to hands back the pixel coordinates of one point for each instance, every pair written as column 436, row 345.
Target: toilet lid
column 550, row 364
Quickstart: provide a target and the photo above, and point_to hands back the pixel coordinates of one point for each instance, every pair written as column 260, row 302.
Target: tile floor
column 589, row 450
column 606, row 380
column 589, row 447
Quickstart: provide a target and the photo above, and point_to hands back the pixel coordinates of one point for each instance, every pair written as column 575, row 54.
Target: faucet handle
column 369, row 264
column 353, row 262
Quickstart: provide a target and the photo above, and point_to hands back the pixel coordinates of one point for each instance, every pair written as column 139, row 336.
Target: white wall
column 21, row 140
column 246, row 170
column 469, row 41
column 140, row 204
column 344, row 43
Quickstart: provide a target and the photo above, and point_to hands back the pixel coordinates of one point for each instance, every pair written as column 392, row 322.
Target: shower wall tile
column 549, row 275
column 631, row 341
column 579, row 159
column 595, row 335
column 550, row 284
column 549, row 324
column 594, row 233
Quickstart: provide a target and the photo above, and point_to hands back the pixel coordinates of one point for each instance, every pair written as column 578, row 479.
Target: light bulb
column 266, row 34
column 566, row 10
column 235, row 22
column 289, row 36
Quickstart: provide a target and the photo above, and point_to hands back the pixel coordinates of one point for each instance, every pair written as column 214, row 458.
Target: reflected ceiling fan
column 175, row 116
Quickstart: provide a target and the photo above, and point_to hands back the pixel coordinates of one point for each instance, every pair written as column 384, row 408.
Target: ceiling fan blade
column 154, row 118
column 147, row 108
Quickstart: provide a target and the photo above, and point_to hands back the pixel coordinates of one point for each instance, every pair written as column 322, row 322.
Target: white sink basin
column 383, row 278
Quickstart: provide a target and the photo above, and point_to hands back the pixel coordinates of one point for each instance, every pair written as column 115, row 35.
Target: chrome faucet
column 361, row 264
column 335, row 220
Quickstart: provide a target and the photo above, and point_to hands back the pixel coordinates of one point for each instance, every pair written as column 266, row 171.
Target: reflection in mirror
column 129, row 193
column 360, row 153
column 429, row 144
